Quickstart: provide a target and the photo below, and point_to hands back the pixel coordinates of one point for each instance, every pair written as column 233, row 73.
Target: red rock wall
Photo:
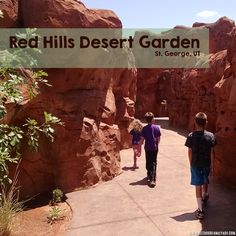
column 153, row 89
column 96, row 106
column 225, row 90
column 10, row 11
column 193, row 91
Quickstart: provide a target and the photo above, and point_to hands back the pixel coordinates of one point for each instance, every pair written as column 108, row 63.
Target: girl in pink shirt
column 136, row 140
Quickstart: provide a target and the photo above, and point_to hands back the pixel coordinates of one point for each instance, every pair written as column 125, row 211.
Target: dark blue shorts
column 199, row 175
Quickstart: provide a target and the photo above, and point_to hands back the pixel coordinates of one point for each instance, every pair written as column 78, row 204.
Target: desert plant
column 57, row 196
column 55, row 214
column 11, row 138
column 9, row 206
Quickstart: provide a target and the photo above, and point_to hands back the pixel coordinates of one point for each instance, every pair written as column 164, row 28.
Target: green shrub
column 55, row 214
column 57, row 195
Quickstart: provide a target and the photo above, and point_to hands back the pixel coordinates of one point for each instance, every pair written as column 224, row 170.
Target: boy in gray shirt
column 200, row 147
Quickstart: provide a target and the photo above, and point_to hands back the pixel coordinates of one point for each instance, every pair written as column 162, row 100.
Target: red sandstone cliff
column 225, row 90
column 96, row 105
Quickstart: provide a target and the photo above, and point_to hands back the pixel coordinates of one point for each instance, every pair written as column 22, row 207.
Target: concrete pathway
column 126, row 206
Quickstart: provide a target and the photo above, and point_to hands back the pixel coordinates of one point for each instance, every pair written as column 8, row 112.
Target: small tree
column 11, row 83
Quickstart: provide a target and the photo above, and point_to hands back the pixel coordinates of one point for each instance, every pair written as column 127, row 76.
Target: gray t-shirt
column 201, row 143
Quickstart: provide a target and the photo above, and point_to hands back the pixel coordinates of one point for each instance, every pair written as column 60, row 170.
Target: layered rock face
column 193, row 91
column 153, row 90
column 225, row 90
column 96, row 106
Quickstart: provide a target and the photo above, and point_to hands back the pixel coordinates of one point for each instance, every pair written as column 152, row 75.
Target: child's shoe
column 199, row 214
column 152, row 184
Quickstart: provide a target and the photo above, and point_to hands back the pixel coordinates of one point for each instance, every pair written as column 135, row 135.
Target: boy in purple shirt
column 152, row 134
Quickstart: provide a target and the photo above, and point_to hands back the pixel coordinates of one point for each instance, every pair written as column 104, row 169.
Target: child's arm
column 158, row 140
column 190, row 155
column 141, row 141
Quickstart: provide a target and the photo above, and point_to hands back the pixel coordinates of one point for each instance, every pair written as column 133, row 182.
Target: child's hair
column 201, row 119
column 149, row 117
column 137, row 126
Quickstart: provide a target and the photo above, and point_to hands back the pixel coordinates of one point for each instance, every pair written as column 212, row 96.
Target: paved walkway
column 126, row 206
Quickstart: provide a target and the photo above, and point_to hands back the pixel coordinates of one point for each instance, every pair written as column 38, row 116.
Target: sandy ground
column 34, row 222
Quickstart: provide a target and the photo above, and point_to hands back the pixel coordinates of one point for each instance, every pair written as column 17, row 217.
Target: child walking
column 136, row 140
column 200, row 150
column 151, row 134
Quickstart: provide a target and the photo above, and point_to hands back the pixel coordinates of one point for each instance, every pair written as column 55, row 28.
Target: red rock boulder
column 219, row 33
column 65, row 14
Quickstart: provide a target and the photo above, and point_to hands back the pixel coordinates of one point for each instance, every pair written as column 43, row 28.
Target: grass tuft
column 9, row 207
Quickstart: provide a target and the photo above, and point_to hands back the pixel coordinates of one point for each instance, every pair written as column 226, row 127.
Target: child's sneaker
column 152, row 184
column 199, row 214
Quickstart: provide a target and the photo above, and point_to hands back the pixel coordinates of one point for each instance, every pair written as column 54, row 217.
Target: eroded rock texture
column 10, row 12
column 67, row 14
column 153, row 90
column 193, row 91
column 96, row 106
column 225, row 90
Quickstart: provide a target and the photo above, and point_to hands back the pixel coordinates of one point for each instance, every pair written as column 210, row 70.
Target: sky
column 166, row 13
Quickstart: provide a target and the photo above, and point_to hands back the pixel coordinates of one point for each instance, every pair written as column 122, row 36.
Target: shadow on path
column 140, row 182
column 127, row 168
column 185, row 217
column 221, row 208
column 220, row 213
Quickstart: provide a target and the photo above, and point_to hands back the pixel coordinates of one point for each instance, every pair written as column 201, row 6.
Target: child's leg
column 199, row 196
column 206, row 172
column 139, row 150
column 204, row 190
column 135, row 157
column 148, row 164
column 154, row 165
